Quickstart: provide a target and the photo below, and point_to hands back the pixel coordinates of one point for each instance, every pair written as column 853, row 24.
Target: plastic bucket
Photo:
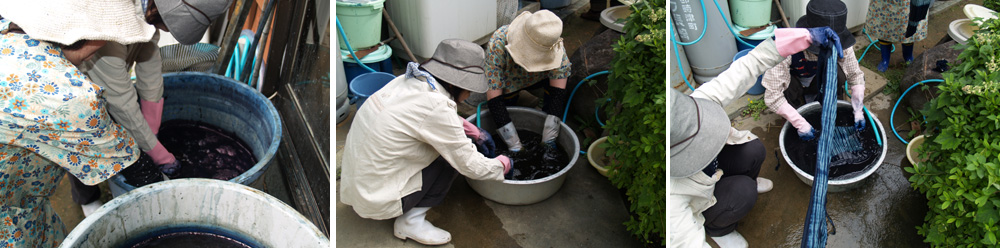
column 249, row 214
column 377, row 60
column 751, row 13
column 367, row 84
column 754, row 39
column 757, row 88
column 362, row 22
column 227, row 104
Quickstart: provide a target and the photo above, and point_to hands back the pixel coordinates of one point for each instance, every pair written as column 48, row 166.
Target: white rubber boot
column 413, row 225
column 91, row 207
column 731, row 240
column 764, row 185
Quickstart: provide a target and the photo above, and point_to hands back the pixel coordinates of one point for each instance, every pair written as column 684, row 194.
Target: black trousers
column 437, row 179
column 736, row 192
column 82, row 193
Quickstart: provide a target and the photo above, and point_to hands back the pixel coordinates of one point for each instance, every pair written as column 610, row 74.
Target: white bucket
column 233, row 207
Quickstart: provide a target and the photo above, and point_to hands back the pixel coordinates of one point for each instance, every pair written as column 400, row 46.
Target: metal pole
column 231, row 36
column 256, row 41
column 399, row 36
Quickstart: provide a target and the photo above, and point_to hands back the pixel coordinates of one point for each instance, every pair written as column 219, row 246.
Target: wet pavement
column 884, row 210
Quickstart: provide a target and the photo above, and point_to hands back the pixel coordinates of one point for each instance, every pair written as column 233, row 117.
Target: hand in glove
column 805, row 131
column 482, row 139
column 550, row 131
column 857, row 102
column 509, row 135
column 826, row 37
column 507, row 163
column 165, row 160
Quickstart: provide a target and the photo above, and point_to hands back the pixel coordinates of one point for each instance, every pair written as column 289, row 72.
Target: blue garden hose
column 571, row 94
column 870, row 44
column 341, row 29
column 892, row 124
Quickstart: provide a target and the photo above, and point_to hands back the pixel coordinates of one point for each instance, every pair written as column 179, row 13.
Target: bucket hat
column 827, row 13
column 534, row 42
column 68, row 21
column 188, row 19
column 698, row 130
column 459, row 63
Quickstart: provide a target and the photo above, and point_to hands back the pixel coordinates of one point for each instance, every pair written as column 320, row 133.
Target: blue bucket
column 367, row 84
column 227, row 104
column 757, row 88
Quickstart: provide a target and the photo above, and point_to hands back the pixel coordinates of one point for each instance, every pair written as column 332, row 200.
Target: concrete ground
column 587, row 211
column 881, row 212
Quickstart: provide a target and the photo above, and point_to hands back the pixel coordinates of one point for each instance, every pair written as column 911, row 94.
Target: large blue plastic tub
column 227, row 104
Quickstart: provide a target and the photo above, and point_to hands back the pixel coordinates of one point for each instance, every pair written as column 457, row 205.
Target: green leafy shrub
column 637, row 130
column 992, row 4
column 962, row 176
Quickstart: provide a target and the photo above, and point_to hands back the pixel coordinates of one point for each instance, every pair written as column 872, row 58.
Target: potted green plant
column 597, row 156
column 961, row 173
column 637, row 129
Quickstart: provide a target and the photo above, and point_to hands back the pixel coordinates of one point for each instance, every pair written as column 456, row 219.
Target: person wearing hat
column 790, row 84
column 897, row 22
column 710, row 194
column 527, row 53
column 407, row 144
column 54, row 120
column 111, row 66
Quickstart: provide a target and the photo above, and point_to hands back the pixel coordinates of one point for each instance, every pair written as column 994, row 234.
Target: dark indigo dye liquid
column 531, row 162
column 845, row 165
column 205, row 151
column 190, row 237
column 190, row 240
column 142, row 172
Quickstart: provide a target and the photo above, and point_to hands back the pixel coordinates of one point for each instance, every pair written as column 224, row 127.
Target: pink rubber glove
column 470, row 129
column 163, row 158
column 857, row 101
column 153, row 113
column 506, row 163
column 791, row 40
column 803, row 128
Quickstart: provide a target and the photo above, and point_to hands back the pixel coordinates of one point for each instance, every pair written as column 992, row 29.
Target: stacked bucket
column 748, row 14
column 361, row 22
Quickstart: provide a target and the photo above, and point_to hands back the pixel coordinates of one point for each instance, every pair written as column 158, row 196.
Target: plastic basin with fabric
column 524, row 192
column 227, row 104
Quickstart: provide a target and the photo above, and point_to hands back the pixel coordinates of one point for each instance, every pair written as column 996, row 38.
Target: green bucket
column 362, row 22
column 748, row 13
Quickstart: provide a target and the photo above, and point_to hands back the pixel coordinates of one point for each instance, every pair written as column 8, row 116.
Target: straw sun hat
column 534, row 42
column 68, row 21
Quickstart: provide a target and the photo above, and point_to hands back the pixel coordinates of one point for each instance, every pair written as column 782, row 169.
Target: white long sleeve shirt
column 397, row 132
